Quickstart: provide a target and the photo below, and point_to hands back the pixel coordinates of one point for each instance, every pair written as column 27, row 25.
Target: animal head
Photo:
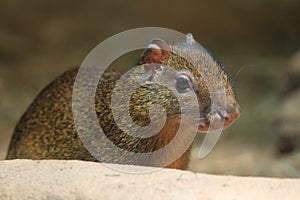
column 188, row 69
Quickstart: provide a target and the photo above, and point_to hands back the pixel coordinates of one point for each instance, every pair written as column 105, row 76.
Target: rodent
column 47, row 130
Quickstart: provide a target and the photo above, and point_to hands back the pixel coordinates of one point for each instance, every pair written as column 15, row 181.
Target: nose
column 230, row 117
column 220, row 120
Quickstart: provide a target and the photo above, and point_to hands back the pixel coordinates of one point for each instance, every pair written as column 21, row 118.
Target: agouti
column 47, row 129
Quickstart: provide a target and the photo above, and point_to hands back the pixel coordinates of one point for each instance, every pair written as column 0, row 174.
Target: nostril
column 227, row 117
column 230, row 117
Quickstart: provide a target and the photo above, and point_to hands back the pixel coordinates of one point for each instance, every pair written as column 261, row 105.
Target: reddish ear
column 155, row 52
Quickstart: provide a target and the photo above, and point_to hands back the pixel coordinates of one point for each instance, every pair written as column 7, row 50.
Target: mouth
column 219, row 121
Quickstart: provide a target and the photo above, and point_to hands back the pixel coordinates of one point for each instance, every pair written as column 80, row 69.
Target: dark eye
column 182, row 83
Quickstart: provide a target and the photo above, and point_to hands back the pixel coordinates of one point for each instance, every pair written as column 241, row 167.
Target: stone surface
column 26, row 179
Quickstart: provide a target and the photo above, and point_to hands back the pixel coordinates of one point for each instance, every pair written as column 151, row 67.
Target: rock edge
column 61, row 179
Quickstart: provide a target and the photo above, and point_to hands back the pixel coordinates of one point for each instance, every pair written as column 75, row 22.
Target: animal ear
column 156, row 51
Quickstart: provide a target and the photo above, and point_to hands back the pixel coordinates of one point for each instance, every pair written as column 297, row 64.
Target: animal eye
column 182, row 83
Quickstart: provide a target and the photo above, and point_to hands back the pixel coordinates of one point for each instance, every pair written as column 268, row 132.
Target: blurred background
column 257, row 41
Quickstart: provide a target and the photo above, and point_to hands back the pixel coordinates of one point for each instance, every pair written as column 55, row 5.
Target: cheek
column 204, row 103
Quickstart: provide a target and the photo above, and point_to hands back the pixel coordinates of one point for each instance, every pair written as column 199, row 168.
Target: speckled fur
column 47, row 129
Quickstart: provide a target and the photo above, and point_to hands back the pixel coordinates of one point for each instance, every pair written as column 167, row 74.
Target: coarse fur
column 47, row 129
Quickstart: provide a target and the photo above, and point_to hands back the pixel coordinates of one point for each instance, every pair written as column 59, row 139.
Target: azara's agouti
column 47, row 129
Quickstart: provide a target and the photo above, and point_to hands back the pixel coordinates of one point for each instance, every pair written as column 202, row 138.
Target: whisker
column 238, row 72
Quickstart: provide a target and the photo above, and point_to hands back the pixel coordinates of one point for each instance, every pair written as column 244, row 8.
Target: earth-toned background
column 41, row 39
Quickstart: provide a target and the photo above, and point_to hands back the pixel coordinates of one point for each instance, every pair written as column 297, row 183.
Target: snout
column 220, row 120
